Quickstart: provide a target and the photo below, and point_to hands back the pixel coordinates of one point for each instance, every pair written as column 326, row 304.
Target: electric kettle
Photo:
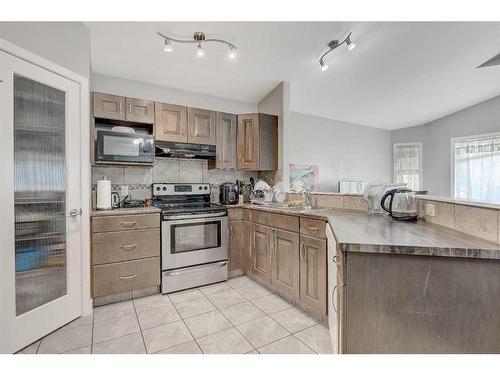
column 402, row 204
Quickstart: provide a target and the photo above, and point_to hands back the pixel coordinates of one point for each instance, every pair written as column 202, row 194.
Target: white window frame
column 452, row 154
column 420, row 160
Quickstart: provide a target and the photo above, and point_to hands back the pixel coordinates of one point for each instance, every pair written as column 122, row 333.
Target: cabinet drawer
column 261, row 217
column 234, row 214
column 125, row 222
column 313, row 227
column 246, row 215
column 119, row 246
column 286, row 222
column 125, row 276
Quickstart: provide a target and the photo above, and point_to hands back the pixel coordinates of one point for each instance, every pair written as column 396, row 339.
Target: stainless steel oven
column 194, row 236
column 193, row 239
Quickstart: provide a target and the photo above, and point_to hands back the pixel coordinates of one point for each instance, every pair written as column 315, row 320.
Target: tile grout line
column 182, row 319
column 140, row 328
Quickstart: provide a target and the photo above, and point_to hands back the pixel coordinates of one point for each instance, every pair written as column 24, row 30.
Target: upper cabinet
column 139, row 110
column 226, row 141
column 201, row 126
column 109, row 106
column 257, row 142
column 120, row 108
column 170, row 122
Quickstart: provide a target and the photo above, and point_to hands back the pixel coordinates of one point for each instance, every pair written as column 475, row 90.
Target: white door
column 40, row 248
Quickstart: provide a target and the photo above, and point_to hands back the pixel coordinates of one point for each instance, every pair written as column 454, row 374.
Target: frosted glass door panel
column 39, row 193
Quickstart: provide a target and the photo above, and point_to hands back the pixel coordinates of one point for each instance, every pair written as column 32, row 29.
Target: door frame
column 83, row 83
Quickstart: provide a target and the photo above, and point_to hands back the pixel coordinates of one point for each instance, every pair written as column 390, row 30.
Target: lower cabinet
column 313, row 277
column 235, row 258
column 260, row 246
column 285, row 263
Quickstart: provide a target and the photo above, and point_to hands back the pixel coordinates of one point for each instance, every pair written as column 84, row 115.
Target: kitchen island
column 408, row 287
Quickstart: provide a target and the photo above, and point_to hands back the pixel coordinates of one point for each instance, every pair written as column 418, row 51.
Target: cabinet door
column 109, row 106
column 247, row 246
column 248, row 142
column 170, row 122
column 201, row 126
column 139, row 110
column 235, row 257
column 261, row 251
column 285, row 263
column 313, row 281
column 226, row 141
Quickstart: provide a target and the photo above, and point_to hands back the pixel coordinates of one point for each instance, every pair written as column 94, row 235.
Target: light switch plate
column 430, row 209
column 124, row 190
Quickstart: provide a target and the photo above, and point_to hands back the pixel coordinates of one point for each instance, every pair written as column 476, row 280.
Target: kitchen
column 235, row 210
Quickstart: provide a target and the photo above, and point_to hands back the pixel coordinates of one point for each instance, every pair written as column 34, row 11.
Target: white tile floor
column 238, row 316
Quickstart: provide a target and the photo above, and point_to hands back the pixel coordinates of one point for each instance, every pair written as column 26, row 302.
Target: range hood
column 179, row 150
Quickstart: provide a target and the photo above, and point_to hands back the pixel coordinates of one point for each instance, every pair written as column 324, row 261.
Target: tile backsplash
column 139, row 179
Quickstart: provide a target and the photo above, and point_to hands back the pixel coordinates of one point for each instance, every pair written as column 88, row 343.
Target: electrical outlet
column 124, row 191
column 430, row 209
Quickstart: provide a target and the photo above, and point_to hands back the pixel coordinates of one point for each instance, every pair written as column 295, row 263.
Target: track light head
column 168, row 46
column 199, row 51
column 350, row 44
column 323, row 65
column 232, row 53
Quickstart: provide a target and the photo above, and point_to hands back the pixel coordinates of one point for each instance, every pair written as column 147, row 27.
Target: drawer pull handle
column 129, row 247
column 128, row 277
column 315, row 229
column 128, row 223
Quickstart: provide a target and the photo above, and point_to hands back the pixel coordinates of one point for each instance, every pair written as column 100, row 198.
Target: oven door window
column 195, row 236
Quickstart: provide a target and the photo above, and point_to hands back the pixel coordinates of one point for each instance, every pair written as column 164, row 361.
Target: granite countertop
column 126, row 211
column 359, row 232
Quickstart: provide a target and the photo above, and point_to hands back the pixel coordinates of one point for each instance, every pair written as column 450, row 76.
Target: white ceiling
column 399, row 75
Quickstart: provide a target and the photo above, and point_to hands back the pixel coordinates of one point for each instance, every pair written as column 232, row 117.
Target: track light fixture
column 333, row 45
column 198, row 38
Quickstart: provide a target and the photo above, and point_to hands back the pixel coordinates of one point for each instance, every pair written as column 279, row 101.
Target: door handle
column 75, row 212
column 302, row 249
column 231, row 232
column 334, row 259
column 315, row 229
column 333, row 299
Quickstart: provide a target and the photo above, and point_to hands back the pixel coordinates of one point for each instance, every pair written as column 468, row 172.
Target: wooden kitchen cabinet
column 170, row 122
column 139, row 110
column 108, row 106
column 313, row 278
column 247, row 245
column 201, row 126
column 257, row 142
column 261, row 250
column 235, row 248
column 226, row 141
column 285, row 263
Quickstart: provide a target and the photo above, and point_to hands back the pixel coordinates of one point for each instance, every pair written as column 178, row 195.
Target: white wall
column 343, row 151
column 64, row 43
column 143, row 90
column 436, row 138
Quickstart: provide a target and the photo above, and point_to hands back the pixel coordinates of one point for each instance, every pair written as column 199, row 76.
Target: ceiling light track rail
column 198, row 38
column 333, row 45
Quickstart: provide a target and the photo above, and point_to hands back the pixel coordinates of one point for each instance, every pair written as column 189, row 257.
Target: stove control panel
column 181, row 189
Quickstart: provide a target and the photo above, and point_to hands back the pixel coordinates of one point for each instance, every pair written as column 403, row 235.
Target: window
column 408, row 164
column 476, row 168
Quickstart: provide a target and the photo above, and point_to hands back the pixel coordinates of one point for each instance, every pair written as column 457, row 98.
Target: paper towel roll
column 103, row 195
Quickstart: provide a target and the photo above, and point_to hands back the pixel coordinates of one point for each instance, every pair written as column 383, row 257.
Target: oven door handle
column 193, row 269
column 194, row 217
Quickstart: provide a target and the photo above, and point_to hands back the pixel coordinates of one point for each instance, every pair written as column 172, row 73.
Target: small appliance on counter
column 229, row 193
column 373, row 193
column 402, row 204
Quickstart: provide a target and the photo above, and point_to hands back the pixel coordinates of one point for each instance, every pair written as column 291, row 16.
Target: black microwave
column 113, row 146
